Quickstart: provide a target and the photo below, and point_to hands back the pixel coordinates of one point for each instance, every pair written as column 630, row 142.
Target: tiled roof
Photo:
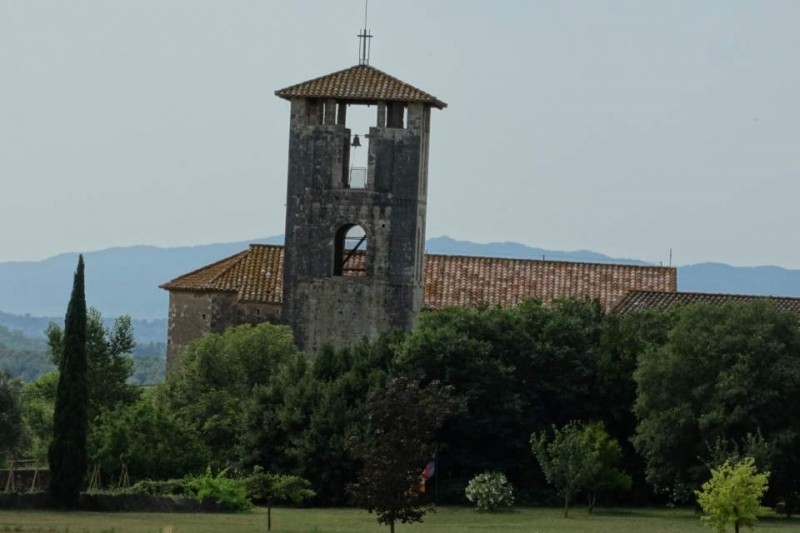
column 361, row 83
column 257, row 275
column 217, row 276
column 659, row 300
column 468, row 281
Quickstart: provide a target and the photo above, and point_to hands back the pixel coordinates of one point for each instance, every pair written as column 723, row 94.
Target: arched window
column 350, row 254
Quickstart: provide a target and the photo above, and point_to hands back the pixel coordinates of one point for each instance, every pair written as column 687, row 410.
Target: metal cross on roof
column 364, row 38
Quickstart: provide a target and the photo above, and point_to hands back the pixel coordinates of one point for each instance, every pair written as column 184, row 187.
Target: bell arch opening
column 350, row 252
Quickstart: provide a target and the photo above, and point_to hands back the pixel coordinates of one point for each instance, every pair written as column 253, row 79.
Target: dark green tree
column 403, row 420
column 301, row 421
column 517, row 370
column 67, row 454
column 212, row 387
column 725, row 374
column 11, row 432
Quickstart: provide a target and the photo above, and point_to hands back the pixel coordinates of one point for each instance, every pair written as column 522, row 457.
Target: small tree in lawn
column 67, row 454
column 607, row 477
column 403, row 418
column 732, row 497
column 271, row 488
column 568, row 461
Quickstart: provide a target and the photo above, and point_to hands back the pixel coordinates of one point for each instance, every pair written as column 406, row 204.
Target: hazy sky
column 624, row 127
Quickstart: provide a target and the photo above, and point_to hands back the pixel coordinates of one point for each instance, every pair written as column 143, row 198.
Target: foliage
column 516, row 370
column 11, row 429
column 148, row 369
column 214, row 384
column 67, row 453
column 301, row 421
column 109, row 363
column 37, row 400
column 271, row 488
column 21, row 356
column 167, row 487
column 403, row 419
column 607, row 476
column 732, row 497
column 489, row 491
column 229, row 493
column 725, row 373
column 148, row 439
column 569, row 460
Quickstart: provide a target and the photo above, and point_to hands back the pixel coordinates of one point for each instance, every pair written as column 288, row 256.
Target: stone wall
column 195, row 314
column 322, row 304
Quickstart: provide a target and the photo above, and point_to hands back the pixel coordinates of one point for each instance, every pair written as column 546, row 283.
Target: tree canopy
column 724, row 373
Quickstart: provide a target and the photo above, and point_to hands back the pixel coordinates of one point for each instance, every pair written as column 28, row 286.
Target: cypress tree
column 67, row 453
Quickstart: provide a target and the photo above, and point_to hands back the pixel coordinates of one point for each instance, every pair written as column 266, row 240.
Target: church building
column 354, row 262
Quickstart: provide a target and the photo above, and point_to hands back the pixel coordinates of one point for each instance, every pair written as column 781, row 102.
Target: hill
column 125, row 280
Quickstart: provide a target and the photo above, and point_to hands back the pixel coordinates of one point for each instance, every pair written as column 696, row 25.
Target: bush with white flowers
column 490, row 490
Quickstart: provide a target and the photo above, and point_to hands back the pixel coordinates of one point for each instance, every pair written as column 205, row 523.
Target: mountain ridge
column 125, row 280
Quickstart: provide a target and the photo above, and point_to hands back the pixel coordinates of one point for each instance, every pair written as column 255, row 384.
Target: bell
column 356, row 141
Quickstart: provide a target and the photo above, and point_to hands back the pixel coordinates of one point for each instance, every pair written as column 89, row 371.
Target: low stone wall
column 110, row 503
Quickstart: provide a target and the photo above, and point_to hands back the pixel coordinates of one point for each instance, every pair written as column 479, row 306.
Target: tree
column 607, row 476
column 569, row 461
column 517, row 370
column 67, row 455
column 148, row 439
column 37, row 400
column 10, row 414
column 108, row 359
column 214, row 383
column 301, row 421
column 732, row 497
column 271, row 488
column 725, row 373
column 403, row 418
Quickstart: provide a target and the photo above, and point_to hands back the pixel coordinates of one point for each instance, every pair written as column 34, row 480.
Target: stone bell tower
column 355, row 237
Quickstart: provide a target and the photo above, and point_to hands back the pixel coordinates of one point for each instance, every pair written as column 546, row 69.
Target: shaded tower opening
column 350, row 251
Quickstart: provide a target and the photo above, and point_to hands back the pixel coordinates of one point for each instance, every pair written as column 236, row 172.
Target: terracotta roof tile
column 257, row 275
column 468, row 281
column 658, row 300
column 361, row 83
column 217, row 276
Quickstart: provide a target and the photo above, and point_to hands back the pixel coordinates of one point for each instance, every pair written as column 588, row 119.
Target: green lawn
column 445, row 520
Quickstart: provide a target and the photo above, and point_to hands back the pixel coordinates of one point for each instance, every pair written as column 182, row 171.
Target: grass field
column 445, row 520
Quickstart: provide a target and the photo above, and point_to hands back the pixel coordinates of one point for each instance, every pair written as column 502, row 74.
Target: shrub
column 170, row 487
column 489, row 491
column 230, row 493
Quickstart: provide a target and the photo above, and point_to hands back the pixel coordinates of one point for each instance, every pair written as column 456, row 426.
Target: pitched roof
column 468, row 281
column 256, row 274
column 450, row 280
column 361, row 83
column 640, row 300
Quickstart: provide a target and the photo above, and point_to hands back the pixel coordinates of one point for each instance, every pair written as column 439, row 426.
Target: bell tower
column 355, row 236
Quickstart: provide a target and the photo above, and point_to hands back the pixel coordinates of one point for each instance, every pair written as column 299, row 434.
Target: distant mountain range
column 124, row 281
